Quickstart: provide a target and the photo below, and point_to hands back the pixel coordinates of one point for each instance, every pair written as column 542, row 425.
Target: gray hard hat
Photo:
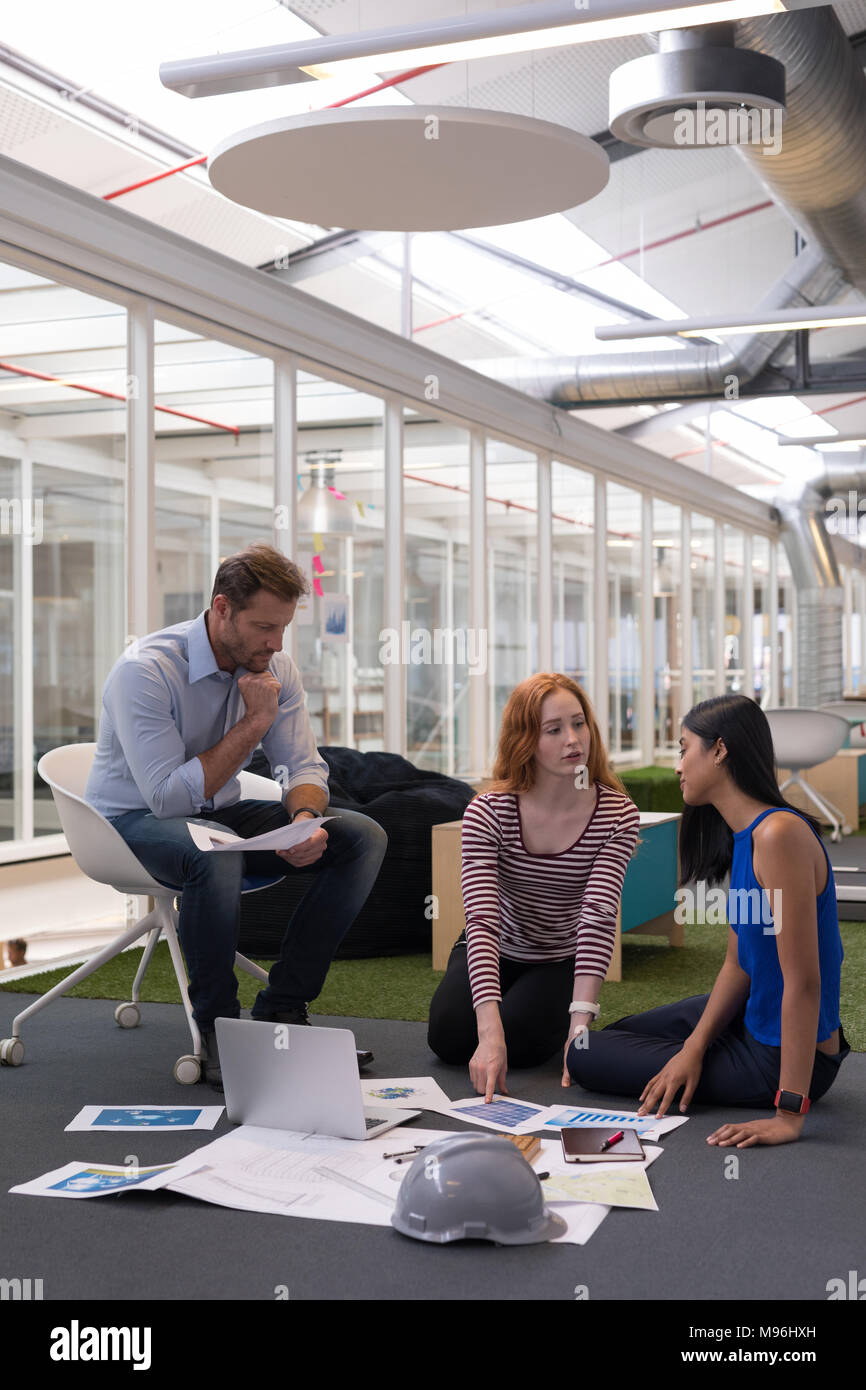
column 474, row 1186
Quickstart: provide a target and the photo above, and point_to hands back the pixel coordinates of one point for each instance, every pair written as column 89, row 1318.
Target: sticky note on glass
column 317, row 586
column 317, row 564
column 318, row 543
column 360, row 506
column 337, row 493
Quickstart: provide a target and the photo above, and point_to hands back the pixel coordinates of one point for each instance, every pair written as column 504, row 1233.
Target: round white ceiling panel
column 408, row 168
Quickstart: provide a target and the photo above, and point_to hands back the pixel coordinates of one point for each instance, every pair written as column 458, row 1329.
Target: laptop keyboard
column 371, row 1121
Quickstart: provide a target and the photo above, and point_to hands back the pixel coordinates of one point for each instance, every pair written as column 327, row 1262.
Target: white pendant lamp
column 408, row 168
column 320, row 510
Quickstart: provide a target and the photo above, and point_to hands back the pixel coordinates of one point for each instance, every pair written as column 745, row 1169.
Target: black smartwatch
column 298, row 811
column 792, row 1102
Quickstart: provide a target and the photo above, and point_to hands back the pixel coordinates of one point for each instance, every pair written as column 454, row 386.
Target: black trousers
column 534, row 1009
column 737, row 1069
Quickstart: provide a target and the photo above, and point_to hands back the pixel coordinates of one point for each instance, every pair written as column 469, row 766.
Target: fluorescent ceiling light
column 777, row 321
column 821, row 441
column 521, row 29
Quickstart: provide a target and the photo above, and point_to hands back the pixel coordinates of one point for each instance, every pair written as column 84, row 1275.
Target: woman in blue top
column 769, row 1033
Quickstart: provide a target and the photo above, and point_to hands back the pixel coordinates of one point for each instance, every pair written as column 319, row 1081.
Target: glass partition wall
column 65, row 376
column 340, row 547
column 786, row 629
column 703, row 574
column 667, row 627
column 63, row 383
column 624, row 582
column 735, row 598
column 214, row 472
column 443, row 654
column 512, row 573
column 762, row 640
column 857, row 632
column 573, row 496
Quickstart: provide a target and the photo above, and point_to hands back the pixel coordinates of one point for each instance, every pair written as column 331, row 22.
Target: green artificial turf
column 401, row 986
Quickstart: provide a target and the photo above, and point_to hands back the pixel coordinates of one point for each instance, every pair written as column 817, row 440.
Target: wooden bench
column 647, row 906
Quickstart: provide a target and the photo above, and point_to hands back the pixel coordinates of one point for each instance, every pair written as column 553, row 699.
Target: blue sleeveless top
column 750, row 916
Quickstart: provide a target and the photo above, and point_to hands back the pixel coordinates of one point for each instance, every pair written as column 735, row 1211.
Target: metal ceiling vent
column 699, row 89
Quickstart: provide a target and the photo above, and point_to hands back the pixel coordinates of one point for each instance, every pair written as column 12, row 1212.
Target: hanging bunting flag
column 317, row 586
column 317, row 564
column 360, row 506
column 340, row 495
column 318, row 544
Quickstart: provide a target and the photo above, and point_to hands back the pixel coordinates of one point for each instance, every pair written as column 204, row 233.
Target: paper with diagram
column 624, row 1188
column 126, row 1118
column 82, row 1179
column 418, row 1092
column 599, row 1117
column 502, row 1113
column 290, row 1174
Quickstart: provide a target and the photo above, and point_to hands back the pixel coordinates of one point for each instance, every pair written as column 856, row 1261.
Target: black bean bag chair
column 407, row 802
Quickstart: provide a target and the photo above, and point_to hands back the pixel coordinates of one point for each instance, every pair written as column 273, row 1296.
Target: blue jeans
column 210, row 887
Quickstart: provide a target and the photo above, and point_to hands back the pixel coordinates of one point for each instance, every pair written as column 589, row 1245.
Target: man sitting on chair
column 182, row 711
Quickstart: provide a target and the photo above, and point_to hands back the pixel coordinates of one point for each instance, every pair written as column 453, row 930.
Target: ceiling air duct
column 698, row 89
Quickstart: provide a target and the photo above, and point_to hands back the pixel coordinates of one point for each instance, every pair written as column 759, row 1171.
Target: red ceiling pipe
column 612, row 260
column 114, row 396
column 344, row 101
column 678, row 236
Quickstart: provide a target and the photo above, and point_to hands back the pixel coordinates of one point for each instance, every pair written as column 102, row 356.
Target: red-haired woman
column 545, row 852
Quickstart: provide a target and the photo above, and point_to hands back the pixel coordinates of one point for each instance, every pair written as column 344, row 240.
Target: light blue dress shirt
column 165, row 701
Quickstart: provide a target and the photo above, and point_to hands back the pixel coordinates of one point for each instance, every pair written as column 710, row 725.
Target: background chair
column 101, row 852
column 803, row 738
column 855, row 712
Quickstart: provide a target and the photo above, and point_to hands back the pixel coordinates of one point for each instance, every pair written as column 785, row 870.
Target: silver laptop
column 287, row 1076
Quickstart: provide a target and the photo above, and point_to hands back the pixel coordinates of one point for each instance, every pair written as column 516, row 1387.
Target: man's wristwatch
column 298, row 811
column 792, row 1102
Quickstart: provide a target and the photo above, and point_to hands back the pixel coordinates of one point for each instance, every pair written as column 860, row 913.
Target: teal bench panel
column 651, row 877
column 861, row 769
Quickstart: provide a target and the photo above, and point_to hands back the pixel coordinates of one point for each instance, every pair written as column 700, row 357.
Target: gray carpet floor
column 792, row 1220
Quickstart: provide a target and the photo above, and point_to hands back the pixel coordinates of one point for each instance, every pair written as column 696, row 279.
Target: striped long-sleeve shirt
column 542, row 907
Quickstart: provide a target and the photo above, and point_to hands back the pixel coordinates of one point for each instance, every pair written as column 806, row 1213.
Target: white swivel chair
column 852, row 710
column 101, row 852
column 803, row 738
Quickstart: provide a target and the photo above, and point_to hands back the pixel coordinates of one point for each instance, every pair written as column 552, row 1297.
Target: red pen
column 609, row 1143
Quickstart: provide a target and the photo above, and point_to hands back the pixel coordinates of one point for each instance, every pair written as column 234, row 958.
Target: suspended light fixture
column 520, row 29
column 322, row 509
column 699, row 89
column 779, row 321
column 408, row 168
column 825, row 441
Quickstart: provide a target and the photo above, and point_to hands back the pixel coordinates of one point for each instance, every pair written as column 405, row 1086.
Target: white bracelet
column 584, row 1006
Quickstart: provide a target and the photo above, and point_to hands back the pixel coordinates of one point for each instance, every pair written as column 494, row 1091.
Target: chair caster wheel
column 187, row 1070
column 11, row 1052
column 127, row 1015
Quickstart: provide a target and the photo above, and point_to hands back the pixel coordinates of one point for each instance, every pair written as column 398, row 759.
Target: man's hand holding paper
column 308, row 851
column 285, row 840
